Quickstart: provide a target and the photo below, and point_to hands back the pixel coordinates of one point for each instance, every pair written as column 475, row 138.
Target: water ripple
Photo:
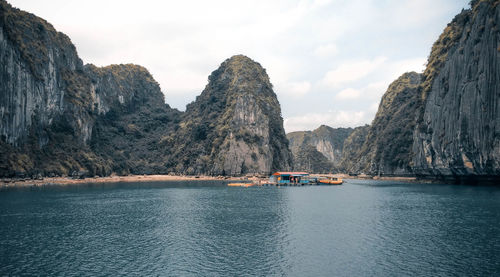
column 362, row 228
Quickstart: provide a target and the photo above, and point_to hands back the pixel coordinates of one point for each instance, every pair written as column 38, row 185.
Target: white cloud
column 371, row 91
column 351, row 71
column 294, row 89
column 397, row 68
column 326, row 50
column 422, row 11
column 348, row 93
column 386, row 72
column 375, row 90
column 334, row 119
column 180, row 81
column 320, row 3
column 279, row 69
column 297, row 41
column 374, row 107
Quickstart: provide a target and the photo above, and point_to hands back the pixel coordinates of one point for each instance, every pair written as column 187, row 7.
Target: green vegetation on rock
column 234, row 127
column 309, row 159
column 35, row 38
column 387, row 146
column 103, row 120
column 446, row 125
column 325, row 141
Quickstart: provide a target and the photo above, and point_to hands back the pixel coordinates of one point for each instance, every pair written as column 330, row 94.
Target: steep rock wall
column 387, row 147
column 50, row 103
column 447, row 125
column 132, row 119
column 234, row 127
column 352, row 145
column 326, row 140
column 58, row 116
column 458, row 131
column 40, row 75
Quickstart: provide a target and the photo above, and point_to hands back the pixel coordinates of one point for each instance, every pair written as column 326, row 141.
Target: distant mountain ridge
column 319, row 150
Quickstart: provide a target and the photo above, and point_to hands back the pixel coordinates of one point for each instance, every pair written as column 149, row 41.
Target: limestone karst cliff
column 458, row 131
column 352, row 145
column 234, row 127
column 444, row 123
column 59, row 116
column 319, row 150
column 43, row 99
column 387, row 146
column 132, row 119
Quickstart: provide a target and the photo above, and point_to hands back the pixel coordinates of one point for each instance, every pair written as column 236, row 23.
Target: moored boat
column 330, row 181
column 244, row 185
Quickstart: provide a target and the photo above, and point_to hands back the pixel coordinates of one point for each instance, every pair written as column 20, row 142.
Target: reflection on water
column 362, row 228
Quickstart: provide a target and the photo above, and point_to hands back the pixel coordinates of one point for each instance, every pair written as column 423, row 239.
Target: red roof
column 290, row 173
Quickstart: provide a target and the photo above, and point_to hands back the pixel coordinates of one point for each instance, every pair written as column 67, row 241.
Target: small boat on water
column 244, row 185
column 327, row 180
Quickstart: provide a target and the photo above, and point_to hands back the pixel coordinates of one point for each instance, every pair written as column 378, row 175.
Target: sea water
column 361, row 228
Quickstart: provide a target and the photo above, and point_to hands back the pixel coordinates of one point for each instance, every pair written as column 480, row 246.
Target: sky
column 330, row 61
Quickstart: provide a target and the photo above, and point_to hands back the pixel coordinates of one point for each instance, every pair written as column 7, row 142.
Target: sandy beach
column 47, row 181
column 6, row 183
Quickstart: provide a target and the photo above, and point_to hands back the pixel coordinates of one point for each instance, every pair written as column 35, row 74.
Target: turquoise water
column 362, row 228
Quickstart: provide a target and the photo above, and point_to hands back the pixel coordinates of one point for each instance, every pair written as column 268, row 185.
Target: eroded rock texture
column 458, row 131
column 446, row 122
column 320, row 150
column 235, row 126
column 386, row 149
column 58, row 116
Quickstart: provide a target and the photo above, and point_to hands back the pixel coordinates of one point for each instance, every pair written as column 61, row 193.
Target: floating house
column 291, row 178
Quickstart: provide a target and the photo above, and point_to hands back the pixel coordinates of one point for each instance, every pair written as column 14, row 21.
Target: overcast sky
column 330, row 61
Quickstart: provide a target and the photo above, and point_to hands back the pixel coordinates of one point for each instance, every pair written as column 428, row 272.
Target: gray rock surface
column 446, row 123
column 352, row 145
column 236, row 122
column 326, row 140
column 386, row 149
column 59, row 117
column 35, row 94
column 459, row 128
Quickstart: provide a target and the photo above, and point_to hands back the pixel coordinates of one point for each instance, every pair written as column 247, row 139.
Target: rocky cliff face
column 234, row 127
column 458, row 130
column 131, row 121
column 309, row 159
column 387, row 146
column 59, row 116
column 352, row 145
column 51, row 105
column 42, row 99
column 40, row 75
column 326, row 141
column 444, row 123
